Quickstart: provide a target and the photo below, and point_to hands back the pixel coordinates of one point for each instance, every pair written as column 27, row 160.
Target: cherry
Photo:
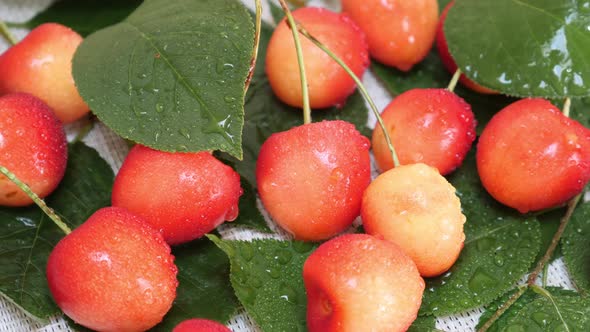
column 184, row 195
column 113, row 273
column 311, row 178
column 431, row 126
column 358, row 282
column 200, row 325
column 41, row 64
column 531, row 157
column 32, row 145
column 330, row 84
column 400, row 33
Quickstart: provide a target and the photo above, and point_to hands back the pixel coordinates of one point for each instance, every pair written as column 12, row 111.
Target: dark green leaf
column 266, row 115
column 431, row 73
column 549, row 223
column 173, row 77
column 249, row 215
column 266, row 275
column 87, row 16
column 500, row 247
column 575, row 245
column 545, row 310
column 28, row 235
column 423, row 324
column 204, row 290
column 523, row 47
column 580, row 111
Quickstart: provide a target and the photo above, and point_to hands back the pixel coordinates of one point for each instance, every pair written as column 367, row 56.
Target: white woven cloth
column 113, row 150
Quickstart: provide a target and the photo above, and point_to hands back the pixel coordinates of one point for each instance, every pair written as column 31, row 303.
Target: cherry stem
column 502, row 309
column 258, row 28
column 454, row 80
column 48, row 211
column 297, row 3
column 304, row 88
column 543, row 292
column 566, row 107
column 5, row 32
column 360, row 85
column 571, row 206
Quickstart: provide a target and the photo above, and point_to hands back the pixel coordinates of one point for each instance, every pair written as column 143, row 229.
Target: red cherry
column 113, row 273
column 400, row 33
column 41, row 64
column 311, row 178
column 532, row 157
column 431, row 126
column 32, row 145
column 358, row 282
column 184, row 195
column 200, row 325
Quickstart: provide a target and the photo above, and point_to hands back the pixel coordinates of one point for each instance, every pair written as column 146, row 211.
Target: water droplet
column 274, row 273
column 229, row 99
column 247, row 253
column 301, row 247
column 481, row 280
column 283, row 256
column 542, row 319
column 159, row 107
column 287, row 293
column 256, row 282
column 184, row 132
column 499, row 260
column 515, row 328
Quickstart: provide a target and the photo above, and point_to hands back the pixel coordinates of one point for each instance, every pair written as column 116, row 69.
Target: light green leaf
column 523, row 47
column 173, row 76
column 267, row 278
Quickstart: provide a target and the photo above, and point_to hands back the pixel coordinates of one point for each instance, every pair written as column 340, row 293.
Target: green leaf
column 267, row 278
column 87, row 16
column 204, row 290
column 173, row 77
column 266, row 115
column 542, row 310
column 549, row 223
column 423, row 324
column 431, row 73
column 28, row 235
column 500, row 247
column 523, row 47
column 580, row 111
column 575, row 245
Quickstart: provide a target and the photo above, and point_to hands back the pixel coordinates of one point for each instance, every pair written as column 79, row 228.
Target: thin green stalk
column 543, row 292
column 571, row 206
column 304, row 88
column 360, row 85
column 5, row 32
column 54, row 217
column 258, row 28
column 545, row 275
column 454, row 80
column 566, row 106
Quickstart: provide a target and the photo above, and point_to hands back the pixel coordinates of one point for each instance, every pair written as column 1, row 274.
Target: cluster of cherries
column 116, row 273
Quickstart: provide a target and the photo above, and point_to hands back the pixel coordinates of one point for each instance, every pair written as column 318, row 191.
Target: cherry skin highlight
column 328, row 83
column 431, row 126
column 532, row 157
column 358, row 282
column 33, row 146
column 416, row 208
column 311, row 178
column 113, row 273
column 400, row 33
column 41, row 64
column 447, row 58
column 200, row 325
column 184, row 195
